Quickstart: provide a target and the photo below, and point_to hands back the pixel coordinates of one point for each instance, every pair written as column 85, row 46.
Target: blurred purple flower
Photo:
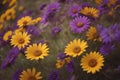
column 55, row 30
column 62, row 56
column 13, row 53
column 106, row 49
column 64, row 1
column 54, row 75
column 70, row 67
column 85, row 4
column 80, row 24
column 42, row 6
column 16, row 74
column 33, row 30
column 110, row 34
column 50, row 12
column 74, row 10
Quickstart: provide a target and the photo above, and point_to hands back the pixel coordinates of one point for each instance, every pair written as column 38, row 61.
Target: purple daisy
column 54, row 75
column 74, row 10
column 61, row 56
column 70, row 67
column 50, row 12
column 13, row 53
column 80, row 24
column 33, row 30
column 55, row 30
column 85, row 4
column 16, row 74
column 110, row 34
column 106, row 49
column 42, row 6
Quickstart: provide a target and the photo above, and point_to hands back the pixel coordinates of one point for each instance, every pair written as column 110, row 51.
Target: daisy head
column 80, row 24
column 76, row 48
column 30, row 74
column 24, row 21
column 74, row 10
column 110, row 34
column 93, row 34
column 91, row 12
column 20, row 40
column 92, row 62
column 7, row 35
column 36, row 51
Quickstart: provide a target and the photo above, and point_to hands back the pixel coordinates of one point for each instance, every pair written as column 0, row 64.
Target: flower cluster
column 60, row 40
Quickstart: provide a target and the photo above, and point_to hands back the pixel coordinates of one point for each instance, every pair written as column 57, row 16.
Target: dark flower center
column 79, row 24
column 37, row 53
column 10, row 14
column 92, row 63
column 96, row 36
column 25, row 23
column 32, row 78
column 89, row 14
column 74, row 10
column 21, row 41
column 5, row 18
column 76, row 49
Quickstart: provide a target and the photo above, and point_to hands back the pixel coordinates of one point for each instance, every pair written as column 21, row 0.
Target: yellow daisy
column 24, row 21
column 111, row 2
column 60, row 63
column 34, row 21
column 76, row 47
column 90, row 11
column 92, row 62
column 20, row 8
column 12, row 2
column 20, row 39
column 30, row 74
column 98, row 1
column 92, row 34
column 10, row 13
column 37, row 51
column 3, row 18
column 20, row 30
column 7, row 35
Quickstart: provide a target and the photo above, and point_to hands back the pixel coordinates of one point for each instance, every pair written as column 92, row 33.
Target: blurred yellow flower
column 92, row 34
column 90, row 12
column 7, row 35
column 24, row 21
column 30, row 74
column 60, row 63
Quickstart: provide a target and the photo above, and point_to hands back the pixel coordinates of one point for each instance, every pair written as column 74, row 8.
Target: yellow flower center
column 32, row 78
column 74, row 10
column 79, row 24
column 37, row 53
column 76, row 49
column 21, row 41
column 92, row 63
